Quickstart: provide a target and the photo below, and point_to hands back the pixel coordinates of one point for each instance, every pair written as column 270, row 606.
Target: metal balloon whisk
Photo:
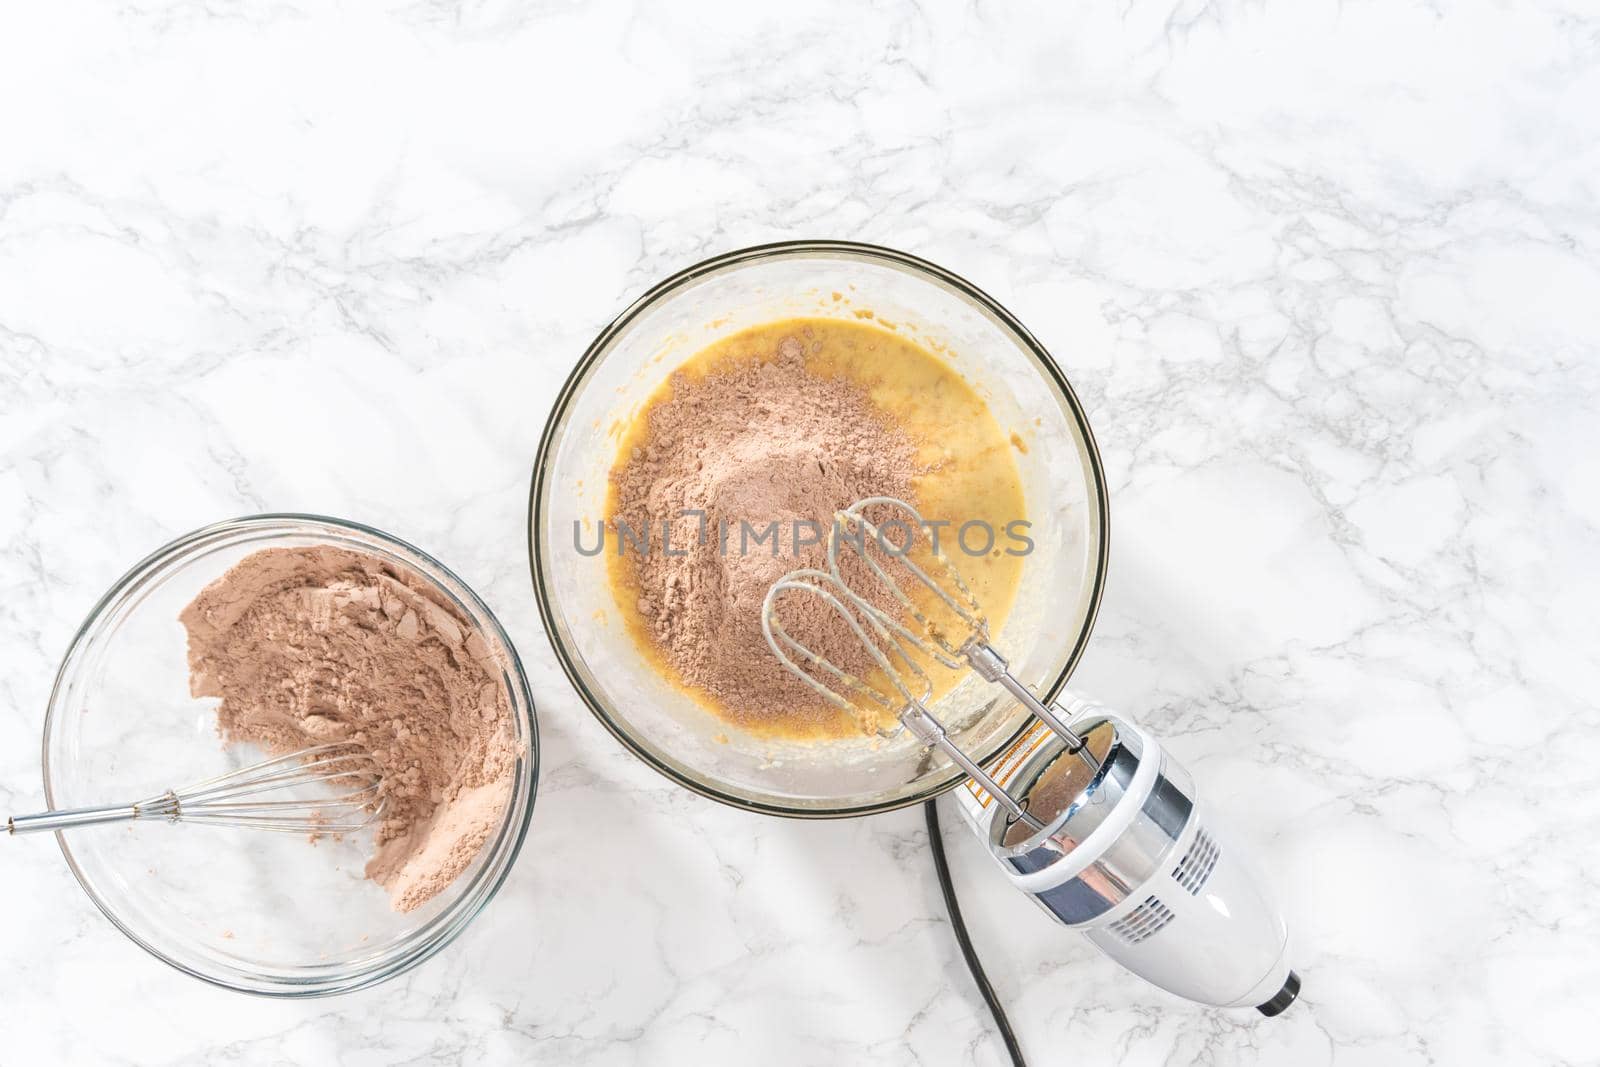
column 894, row 639
column 327, row 789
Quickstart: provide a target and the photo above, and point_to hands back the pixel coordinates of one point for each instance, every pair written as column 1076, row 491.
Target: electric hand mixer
column 1090, row 817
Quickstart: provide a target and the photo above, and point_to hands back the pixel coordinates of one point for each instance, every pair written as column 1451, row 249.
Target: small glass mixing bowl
column 1063, row 485
column 266, row 913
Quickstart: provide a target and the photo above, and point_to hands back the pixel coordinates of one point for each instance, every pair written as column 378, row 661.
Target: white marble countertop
column 1325, row 276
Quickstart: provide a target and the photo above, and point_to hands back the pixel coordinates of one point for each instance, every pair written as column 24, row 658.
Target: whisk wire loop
column 869, row 539
column 880, row 645
column 286, row 794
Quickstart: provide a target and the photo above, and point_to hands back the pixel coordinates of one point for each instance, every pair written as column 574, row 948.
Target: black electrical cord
column 942, row 867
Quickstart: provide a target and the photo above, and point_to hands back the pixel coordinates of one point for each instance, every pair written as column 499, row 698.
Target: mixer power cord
column 941, row 867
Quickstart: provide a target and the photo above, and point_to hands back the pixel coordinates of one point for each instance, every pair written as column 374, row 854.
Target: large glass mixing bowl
column 1062, row 480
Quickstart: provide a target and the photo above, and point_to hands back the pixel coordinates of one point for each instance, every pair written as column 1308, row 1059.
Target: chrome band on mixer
column 1073, row 806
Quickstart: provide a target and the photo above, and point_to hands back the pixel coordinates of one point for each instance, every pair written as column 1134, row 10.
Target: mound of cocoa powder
column 760, row 439
column 317, row 645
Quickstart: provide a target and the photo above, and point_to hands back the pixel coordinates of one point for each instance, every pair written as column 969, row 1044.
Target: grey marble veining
column 1325, row 276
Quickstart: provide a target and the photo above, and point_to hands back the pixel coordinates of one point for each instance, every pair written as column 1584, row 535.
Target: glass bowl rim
column 421, row 944
column 870, row 253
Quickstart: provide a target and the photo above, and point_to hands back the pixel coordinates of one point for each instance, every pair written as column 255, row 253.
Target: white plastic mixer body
column 1130, row 857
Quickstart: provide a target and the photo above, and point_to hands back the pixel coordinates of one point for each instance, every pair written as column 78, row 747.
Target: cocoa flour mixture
column 760, row 440
column 308, row 646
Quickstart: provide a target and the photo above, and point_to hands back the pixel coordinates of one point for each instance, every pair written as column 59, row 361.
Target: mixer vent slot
column 1195, row 867
column 1144, row 921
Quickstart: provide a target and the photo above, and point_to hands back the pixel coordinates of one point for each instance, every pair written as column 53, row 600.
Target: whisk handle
column 72, row 818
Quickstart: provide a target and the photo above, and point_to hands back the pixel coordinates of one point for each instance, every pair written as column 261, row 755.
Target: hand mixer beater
column 1086, row 812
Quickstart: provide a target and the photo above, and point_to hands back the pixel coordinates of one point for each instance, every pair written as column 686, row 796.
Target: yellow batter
column 971, row 472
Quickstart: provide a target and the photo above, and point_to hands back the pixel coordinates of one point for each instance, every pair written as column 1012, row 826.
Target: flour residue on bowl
column 316, row 645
